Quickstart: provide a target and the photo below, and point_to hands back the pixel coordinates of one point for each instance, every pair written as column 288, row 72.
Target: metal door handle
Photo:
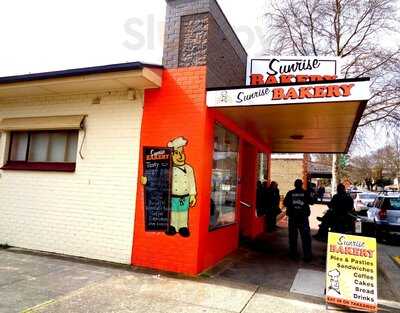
column 245, row 204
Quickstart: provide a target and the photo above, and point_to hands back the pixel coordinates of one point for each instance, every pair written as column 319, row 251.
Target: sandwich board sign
column 351, row 272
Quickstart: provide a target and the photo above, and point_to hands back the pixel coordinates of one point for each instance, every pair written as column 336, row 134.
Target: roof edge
column 110, row 68
column 231, row 28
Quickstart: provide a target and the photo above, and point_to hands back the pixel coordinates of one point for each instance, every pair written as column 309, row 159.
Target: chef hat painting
column 177, row 143
column 334, row 273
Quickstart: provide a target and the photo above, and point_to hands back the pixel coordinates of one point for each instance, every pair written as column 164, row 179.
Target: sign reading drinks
column 157, row 170
column 351, row 272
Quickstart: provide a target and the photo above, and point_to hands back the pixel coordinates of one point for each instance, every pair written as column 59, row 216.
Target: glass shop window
column 29, row 150
column 224, row 178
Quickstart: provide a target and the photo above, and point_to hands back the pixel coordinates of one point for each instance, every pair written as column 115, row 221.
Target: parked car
column 385, row 213
column 354, row 193
column 362, row 200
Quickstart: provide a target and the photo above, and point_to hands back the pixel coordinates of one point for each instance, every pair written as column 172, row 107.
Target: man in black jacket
column 337, row 218
column 341, row 205
column 297, row 203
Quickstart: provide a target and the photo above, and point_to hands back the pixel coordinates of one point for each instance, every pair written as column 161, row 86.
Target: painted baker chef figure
column 183, row 189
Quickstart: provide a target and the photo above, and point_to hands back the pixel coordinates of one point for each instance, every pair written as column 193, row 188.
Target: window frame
column 239, row 144
column 27, row 165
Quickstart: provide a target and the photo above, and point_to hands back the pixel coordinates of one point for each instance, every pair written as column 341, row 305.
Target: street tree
column 365, row 34
column 380, row 165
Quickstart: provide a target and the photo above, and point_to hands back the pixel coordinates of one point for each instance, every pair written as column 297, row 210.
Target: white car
column 385, row 213
column 362, row 200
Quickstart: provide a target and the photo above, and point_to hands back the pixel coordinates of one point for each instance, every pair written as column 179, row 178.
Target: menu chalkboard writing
column 157, row 170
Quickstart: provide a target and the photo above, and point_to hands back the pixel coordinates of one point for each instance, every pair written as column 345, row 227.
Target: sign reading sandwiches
column 351, row 272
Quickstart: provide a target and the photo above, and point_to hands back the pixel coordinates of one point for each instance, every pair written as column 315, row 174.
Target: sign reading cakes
column 157, row 181
column 282, row 80
column 351, row 272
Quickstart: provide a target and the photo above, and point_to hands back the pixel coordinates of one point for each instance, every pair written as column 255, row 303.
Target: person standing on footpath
column 259, row 199
column 321, row 192
column 341, row 205
column 337, row 218
column 297, row 203
column 272, row 203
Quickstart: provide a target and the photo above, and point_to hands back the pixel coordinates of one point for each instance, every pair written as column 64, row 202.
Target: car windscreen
column 395, row 204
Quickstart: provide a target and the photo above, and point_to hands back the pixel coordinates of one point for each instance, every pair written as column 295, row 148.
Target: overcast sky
column 45, row 35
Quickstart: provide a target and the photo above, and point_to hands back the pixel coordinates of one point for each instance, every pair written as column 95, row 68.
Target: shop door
column 247, row 185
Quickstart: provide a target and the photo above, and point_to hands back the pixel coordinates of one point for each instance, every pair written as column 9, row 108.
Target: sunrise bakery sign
column 351, row 272
column 285, row 80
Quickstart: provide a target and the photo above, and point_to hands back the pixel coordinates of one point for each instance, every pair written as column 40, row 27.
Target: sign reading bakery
column 284, row 70
column 357, row 90
column 290, row 80
column 351, row 272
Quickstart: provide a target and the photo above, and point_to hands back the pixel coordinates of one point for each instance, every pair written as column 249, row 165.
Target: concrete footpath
column 33, row 282
column 257, row 278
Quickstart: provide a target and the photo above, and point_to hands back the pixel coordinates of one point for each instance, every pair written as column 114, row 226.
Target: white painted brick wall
column 89, row 213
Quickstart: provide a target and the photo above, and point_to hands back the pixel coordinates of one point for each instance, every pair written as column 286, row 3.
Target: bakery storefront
column 164, row 160
column 208, row 132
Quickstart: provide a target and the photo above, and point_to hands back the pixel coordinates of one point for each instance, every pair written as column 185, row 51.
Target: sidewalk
column 44, row 283
column 258, row 278
column 143, row 292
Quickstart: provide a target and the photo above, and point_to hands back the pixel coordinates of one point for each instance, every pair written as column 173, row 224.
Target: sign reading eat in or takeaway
column 351, row 272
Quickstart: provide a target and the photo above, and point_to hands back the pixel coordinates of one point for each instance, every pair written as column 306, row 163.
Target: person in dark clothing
column 312, row 191
column 321, row 192
column 368, row 182
column 337, row 218
column 297, row 203
column 272, row 205
column 341, row 205
column 260, row 203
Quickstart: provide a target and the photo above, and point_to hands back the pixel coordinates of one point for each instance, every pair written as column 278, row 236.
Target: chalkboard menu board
column 157, row 169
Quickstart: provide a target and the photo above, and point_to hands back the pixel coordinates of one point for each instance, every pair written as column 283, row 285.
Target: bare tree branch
column 356, row 31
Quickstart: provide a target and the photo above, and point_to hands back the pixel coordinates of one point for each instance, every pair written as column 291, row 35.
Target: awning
column 317, row 117
column 65, row 122
column 133, row 75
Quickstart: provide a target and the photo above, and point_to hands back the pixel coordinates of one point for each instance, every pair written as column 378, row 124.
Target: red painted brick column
column 176, row 109
column 179, row 108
